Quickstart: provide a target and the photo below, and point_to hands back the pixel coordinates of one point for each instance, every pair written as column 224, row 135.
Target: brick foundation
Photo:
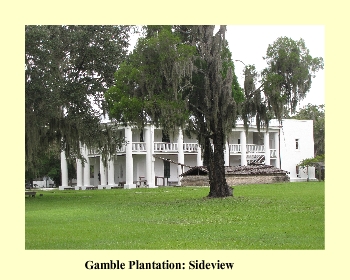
column 234, row 180
column 195, row 180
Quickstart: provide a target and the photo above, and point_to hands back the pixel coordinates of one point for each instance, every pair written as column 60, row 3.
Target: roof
column 197, row 170
column 253, row 169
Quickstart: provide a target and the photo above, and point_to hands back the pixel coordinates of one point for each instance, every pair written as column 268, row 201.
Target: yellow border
column 324, row 264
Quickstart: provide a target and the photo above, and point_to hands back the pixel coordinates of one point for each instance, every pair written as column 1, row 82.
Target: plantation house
column 153, row 159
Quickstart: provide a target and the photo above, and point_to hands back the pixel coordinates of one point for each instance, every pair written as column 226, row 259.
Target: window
column 166, row 169
column 239, row 141
column 297, row 144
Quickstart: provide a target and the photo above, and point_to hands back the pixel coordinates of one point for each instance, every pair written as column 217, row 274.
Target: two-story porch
column 168, row 159
column 150, row 154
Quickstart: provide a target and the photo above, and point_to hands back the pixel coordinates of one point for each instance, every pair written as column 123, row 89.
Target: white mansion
column 155, row 160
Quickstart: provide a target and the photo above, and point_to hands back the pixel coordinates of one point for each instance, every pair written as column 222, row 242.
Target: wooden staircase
column 260, row 159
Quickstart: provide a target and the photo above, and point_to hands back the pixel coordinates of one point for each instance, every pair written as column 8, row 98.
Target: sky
column 248, row 43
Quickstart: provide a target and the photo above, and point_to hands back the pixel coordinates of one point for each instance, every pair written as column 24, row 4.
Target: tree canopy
column 185, row 75
column 150, row 85
column 181, row 75
column 284, row 82
column 320, row 159
column 67, row 69
column 216, row 109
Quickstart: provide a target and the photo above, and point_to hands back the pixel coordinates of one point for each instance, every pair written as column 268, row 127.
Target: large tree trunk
column 217, row 180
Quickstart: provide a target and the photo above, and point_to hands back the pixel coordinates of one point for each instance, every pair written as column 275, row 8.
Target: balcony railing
column 164, row 147
column 121, row 149
column 190, row 147
column 161, row 147
column 235, row 148
column 138, row 147
column 251, row 148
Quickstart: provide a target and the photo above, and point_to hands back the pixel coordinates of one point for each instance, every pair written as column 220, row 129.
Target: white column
column 199, row 156
column 180, row 156
column 267, row 148
column 110, row 165
column 276, row 140
column 227, row 155
column 103, row 174
column 129, row 175
column 149, row 138
column 243, row 148
column 79, row 174
column 64, row 171
column 96, row 171
column 86, row 168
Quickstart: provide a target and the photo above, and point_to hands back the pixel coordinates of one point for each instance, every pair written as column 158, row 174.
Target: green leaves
column 150, row 86
column 284, row 82
column 312, row 161
column 289, row 72
column 67, row 69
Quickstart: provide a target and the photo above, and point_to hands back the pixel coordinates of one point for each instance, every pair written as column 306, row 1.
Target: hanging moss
column 66, row 72
column 151, row 85
column 284, row 83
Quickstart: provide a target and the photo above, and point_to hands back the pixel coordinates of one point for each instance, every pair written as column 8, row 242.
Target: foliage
column 269, row 216
column 48, row 164
column 312, row 161
column 67, row 68
column 213, row 108
column 227, row 64
column 149, row 85
column 317, row 114
column 284, row 82
column 181, row 75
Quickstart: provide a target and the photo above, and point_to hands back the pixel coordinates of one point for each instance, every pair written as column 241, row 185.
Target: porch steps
column 256, row 159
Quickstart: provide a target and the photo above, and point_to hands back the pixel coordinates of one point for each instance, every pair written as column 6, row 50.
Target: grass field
column 274, row 216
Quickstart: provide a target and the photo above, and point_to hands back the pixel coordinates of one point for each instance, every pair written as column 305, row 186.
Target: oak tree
column 67, row 69
column 283, row 83
column 184, row 76
column 181, row 76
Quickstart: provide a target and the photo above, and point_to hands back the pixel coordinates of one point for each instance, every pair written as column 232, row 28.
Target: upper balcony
column 251, row 149
column 161, row 148
column 192, row 148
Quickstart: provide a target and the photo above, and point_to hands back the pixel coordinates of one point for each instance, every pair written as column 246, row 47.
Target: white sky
column 249, row 43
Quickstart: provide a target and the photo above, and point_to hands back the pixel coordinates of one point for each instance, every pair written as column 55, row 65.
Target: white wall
column 139, row 166
column 290, row 156
column 119, row 169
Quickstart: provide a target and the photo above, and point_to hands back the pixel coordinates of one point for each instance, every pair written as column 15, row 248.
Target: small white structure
column 46, row 182
column 153, row 159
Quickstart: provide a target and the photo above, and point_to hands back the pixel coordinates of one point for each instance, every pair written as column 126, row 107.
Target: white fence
column 165, row 147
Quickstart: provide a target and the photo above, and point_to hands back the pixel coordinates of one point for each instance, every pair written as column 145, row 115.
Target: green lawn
column 275, row 216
